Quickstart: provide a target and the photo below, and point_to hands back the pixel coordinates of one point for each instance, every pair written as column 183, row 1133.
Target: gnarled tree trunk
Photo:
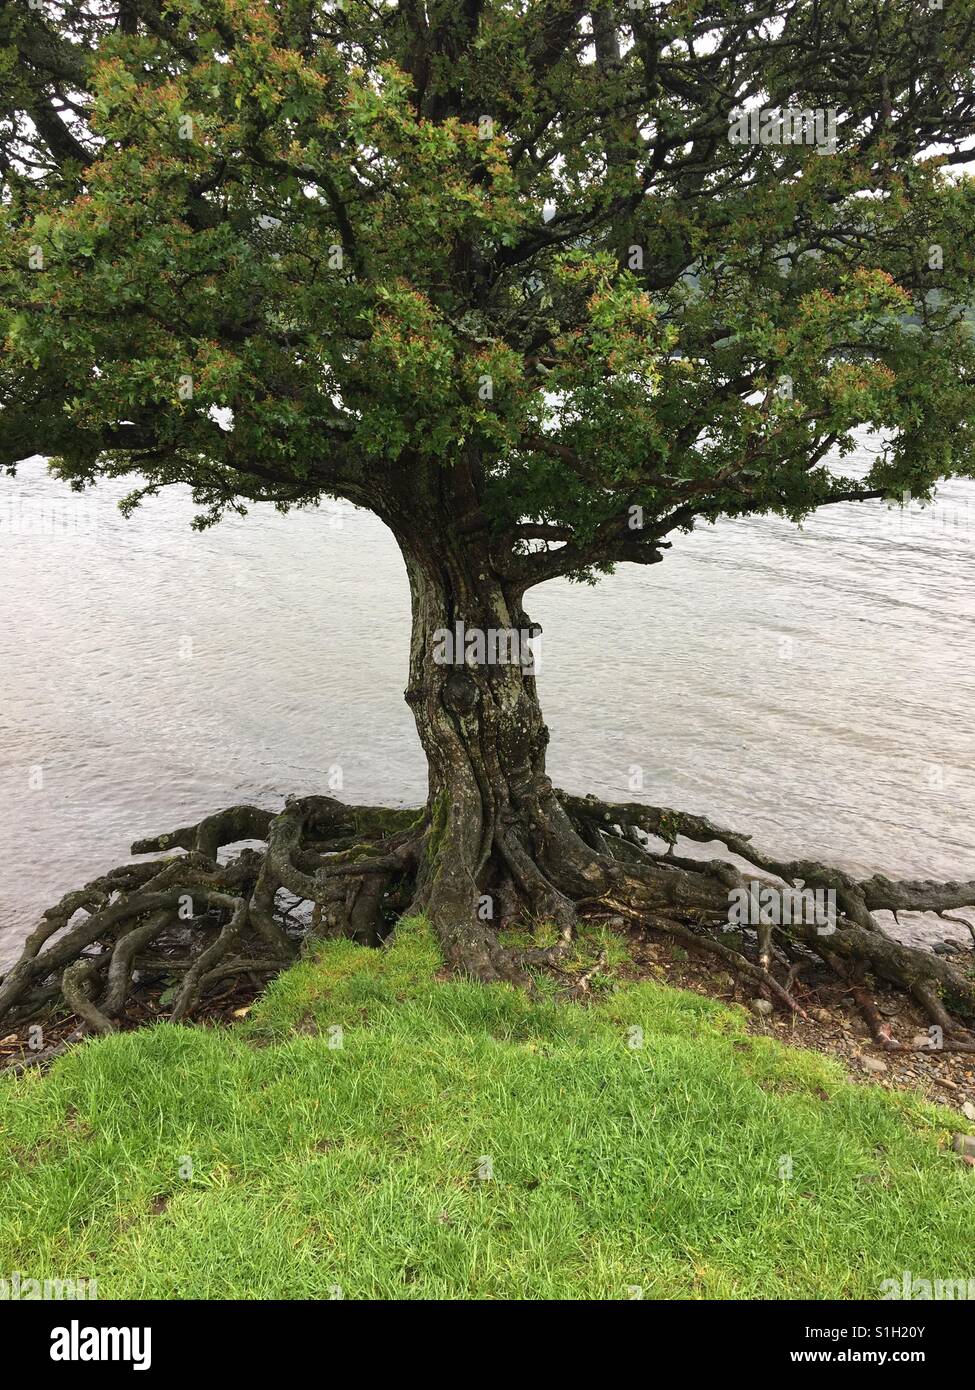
column 499, row 840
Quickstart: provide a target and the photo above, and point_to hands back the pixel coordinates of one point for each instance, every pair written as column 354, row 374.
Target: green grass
column 316, row 1166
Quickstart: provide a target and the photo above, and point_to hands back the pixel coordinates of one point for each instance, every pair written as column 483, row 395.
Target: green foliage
column 336, row 226
column 360, row 1166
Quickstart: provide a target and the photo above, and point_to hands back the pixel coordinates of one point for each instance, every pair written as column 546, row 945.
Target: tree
column 540, row 283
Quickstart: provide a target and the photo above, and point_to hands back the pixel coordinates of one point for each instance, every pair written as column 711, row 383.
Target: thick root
column 680, row 891
column 203, row 919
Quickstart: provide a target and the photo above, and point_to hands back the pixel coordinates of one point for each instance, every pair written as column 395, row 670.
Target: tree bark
column 499, row 839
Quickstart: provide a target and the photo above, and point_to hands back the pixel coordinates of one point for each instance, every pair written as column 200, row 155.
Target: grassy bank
column 343, row 1137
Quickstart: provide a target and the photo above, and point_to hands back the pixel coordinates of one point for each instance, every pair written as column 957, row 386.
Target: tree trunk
column 499, row 840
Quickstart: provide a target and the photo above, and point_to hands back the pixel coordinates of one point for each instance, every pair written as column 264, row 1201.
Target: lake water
column 815, row 688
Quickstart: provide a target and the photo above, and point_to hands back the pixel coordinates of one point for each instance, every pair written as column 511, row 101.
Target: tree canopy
column 278, row 249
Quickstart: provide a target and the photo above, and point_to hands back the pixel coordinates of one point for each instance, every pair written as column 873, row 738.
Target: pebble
column 968, row 1110
column 873, row 1064
column 964, row 1144
column 762, row 1007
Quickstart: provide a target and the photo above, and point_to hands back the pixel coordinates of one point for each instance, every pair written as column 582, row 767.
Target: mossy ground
column 341, row 1139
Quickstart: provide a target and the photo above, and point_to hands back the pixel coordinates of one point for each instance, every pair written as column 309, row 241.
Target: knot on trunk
column 460, row 693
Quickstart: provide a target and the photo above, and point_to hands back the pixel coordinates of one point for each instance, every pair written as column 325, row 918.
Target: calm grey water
column 814, row 687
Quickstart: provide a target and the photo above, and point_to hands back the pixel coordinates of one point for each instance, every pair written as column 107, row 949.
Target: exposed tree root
column 202, row 919
column 850, row 946
column 195, row 917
